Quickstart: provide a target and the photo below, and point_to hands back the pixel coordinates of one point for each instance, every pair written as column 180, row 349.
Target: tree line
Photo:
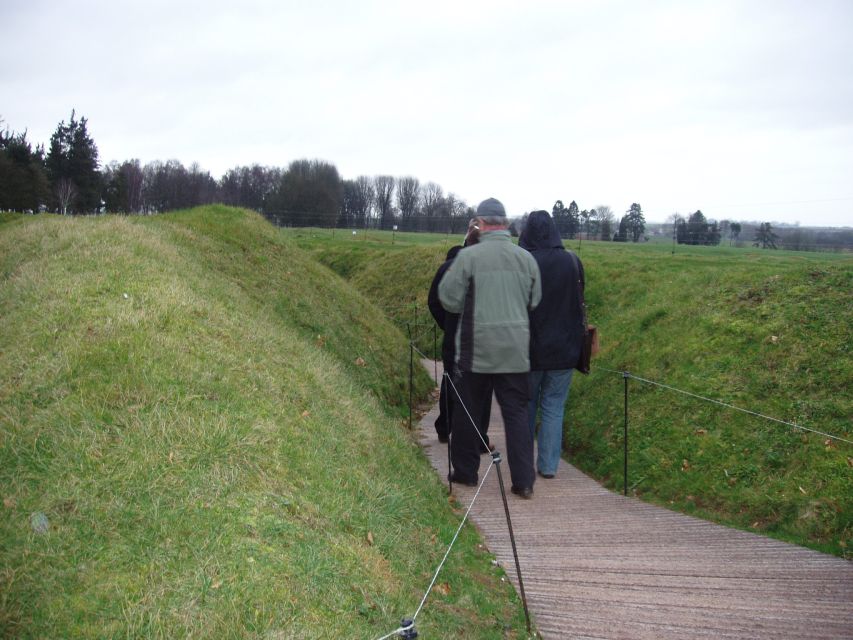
column 598, row 223
column 67, row 178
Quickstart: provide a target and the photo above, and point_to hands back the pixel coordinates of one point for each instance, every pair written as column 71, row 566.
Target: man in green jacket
column 492, row 285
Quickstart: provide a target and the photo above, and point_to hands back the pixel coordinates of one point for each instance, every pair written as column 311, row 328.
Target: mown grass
column 211, row 422
column 767, row 331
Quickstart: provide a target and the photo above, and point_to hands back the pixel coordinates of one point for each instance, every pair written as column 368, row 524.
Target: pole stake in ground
column 449, row 426
column 626, row 376
column 411, row 372
column 496, row 458
column 408, row 629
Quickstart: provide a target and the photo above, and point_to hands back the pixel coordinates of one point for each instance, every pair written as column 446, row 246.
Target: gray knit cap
column 491, row 208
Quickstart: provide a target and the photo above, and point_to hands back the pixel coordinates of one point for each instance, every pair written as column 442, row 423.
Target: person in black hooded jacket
column 447, row 323
column 556, row 335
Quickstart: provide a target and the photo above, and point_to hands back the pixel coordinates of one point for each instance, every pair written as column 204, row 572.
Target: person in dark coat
column 556, row 335
column 447, row 321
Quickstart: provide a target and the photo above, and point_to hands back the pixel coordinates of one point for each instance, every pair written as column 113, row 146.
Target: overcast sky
column 743, row 109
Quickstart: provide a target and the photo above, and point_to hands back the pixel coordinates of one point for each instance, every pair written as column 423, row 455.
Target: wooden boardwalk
column 598, row 565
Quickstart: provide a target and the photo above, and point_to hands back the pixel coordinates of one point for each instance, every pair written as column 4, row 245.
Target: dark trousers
column 512, row 391
column 447, row 399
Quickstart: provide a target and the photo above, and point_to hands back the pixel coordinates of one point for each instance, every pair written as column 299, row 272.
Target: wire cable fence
column 728, row 406
column 626, row 376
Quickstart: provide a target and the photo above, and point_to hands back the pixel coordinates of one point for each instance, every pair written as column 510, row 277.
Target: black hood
column 540, row 233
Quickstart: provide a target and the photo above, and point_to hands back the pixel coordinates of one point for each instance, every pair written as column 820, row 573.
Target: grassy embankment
column 768, row 331
column 211, row 423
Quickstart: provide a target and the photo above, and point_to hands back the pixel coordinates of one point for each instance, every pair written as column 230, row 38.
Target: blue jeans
column 548, row 393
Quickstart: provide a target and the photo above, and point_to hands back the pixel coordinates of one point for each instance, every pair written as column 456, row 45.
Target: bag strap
column 580, row 288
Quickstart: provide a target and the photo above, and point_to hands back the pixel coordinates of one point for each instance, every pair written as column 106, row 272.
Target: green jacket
column 492, row 285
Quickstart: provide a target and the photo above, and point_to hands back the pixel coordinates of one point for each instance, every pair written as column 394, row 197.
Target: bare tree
column 384, row 200
column 132, row 173
column 65, row 194
column 408, row 201
column 458, row 213
column 431, row 197
column 358, row 195
column 606, row 221
column 366, row 196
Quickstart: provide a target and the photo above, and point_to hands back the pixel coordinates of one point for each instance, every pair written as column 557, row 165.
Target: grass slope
column 182, row 400
column 768, row 331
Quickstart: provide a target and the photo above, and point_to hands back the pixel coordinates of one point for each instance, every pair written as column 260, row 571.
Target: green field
column 212, row 424
column 768, row 331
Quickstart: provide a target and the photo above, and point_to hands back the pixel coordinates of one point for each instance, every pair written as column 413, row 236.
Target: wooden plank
column 599, row 565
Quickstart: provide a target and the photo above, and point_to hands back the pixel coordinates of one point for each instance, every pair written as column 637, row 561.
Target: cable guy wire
column 729, row 406
column 419, row 352
column 444, row 559
column 473, row 424
column 452, row 542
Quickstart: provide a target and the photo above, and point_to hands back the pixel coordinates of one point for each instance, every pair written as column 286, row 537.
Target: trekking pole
column 496, row 457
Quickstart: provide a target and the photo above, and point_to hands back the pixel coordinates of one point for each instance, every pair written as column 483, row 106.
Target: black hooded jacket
column 444, row 319
column 556, row 325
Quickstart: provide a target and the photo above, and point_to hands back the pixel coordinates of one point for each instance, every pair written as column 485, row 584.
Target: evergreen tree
column 622, row 234
column 567, row 219
column 764, row 237
column 23, row 183
column 560, row 215
column 635, row 221
column 697, row 227
column 72, row 166
column 572, row 219
column 734, row 232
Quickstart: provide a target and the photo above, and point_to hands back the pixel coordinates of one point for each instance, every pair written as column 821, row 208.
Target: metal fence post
column 411, row 372
column 435, row 351
column 625, row 377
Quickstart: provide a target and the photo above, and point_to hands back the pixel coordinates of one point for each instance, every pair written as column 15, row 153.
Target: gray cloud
column 675, row 105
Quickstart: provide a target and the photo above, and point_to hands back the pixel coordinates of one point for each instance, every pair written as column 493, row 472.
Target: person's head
column 491, row 215
column 540, row 232
column 472, row 236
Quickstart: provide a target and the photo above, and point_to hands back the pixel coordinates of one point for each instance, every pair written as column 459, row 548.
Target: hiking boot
column 465, row 482
column 526, row 492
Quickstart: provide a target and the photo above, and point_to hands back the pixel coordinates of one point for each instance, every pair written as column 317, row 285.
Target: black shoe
column 465, row 482
column 442, row 439
column 526, row 492
column 547, row 476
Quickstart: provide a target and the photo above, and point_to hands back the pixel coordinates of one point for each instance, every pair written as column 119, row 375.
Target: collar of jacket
column 502, row 234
